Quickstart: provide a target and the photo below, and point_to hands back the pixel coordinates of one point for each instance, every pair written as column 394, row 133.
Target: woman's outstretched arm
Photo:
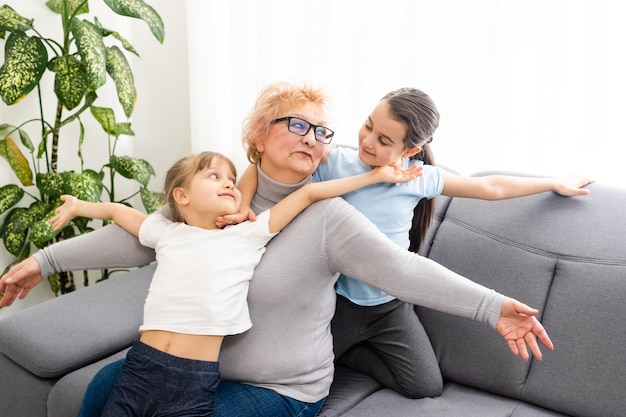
column 107, row 247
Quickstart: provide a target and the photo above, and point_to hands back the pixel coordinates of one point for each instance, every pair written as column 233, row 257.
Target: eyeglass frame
column 329, row 138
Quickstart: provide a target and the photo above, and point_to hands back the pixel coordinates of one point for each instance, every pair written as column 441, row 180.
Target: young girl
column 198, row 293
column 382, row 332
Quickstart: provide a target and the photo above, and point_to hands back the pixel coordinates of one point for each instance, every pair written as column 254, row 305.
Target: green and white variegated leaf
column 25, row 60
column 10, row 195
column 17, row 161
column 51, row 184
column 57, row 6
column 12, row 21
column 12, row 237
column 118, row 68
column 106, row 117
column 106, row 32
column 124, row 129
column 92, row 51
column 86, row 186
column 25, row 139
column 136, row 169
column 151, row 201
column 70, row 82
column 140, row 10
column 21, row 219
column 41, row 231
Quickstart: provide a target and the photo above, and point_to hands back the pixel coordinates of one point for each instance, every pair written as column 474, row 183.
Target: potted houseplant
column 81, row 61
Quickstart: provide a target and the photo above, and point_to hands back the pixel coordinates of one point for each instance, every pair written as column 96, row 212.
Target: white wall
column 161, row 117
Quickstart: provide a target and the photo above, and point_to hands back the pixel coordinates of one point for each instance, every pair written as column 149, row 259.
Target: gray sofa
column 565, row 256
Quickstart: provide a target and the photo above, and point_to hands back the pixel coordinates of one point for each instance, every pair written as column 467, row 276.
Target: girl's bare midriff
column 189, row 346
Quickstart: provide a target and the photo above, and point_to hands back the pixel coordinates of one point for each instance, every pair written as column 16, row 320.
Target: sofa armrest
column 61, row 335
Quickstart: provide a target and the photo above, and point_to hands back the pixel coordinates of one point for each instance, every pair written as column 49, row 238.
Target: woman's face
column 381, row 138
column 288, row 157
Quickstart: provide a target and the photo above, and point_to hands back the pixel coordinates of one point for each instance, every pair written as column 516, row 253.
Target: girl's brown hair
column 181, row 172
column 274, row 101
column 417, row 111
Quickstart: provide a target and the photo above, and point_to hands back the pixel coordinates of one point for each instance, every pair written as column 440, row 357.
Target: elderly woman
column 283, row 366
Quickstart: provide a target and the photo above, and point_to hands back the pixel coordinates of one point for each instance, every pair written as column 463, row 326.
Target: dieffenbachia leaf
column 10, row 195
column 151, row 200
column 12, row 21
column 25, row 60
column 92, row 51
column 57, row 6
column 70, row 82
column 139, row 10
column 17, row 161
column 136, row 169
column 118, row 68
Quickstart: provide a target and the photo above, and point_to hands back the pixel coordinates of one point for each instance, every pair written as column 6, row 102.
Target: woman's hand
column 19, row 280
column 520, row 328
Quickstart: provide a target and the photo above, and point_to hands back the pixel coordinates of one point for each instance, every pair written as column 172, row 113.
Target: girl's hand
column 244, row 214
column 571, row 185
column 64, row 213
column 392, row 173
column 520, row 329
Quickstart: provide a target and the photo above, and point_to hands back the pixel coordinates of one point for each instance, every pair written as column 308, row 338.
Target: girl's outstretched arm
column 500, row 187
column 292, row 205
column 127, row 217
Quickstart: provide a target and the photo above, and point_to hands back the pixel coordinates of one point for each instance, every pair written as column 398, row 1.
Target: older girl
column 377, row 332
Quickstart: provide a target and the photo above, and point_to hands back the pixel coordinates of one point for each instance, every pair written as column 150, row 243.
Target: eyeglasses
column 301, row 127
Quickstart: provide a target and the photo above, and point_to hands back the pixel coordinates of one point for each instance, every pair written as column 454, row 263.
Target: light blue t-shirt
column 388, row 206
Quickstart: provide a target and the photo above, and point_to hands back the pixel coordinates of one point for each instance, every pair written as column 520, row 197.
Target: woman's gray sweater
column 292, row 295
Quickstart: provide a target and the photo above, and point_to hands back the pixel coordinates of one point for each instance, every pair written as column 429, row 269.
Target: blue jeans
column 152, row 382
column 234, row 399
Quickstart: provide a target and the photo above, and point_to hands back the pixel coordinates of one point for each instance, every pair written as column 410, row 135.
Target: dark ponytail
column 425, row 209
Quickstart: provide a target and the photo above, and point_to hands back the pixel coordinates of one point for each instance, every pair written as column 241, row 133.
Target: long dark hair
column 417, row 111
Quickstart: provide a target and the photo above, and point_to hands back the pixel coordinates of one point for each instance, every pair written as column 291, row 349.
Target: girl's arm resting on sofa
column 107, row 247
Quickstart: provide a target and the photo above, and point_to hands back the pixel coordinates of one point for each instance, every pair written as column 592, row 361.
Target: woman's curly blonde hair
column 274, row 101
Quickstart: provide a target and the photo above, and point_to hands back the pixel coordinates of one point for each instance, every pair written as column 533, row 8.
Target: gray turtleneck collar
column 270, row 192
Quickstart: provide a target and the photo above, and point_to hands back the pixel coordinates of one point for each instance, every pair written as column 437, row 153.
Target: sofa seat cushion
column 456, row 400
column 349, row 388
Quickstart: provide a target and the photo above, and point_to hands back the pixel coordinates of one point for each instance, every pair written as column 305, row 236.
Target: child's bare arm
column 247, row 186
column 500, row 187
column 127, row 217
column 289, row 207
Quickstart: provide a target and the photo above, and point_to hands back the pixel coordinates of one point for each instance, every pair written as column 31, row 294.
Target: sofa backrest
column 565, row 256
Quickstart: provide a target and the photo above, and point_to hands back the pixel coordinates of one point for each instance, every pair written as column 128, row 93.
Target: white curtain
column 534, row 86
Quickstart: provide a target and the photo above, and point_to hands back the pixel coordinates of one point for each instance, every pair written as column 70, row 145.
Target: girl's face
column 288, row 157
column 381, row 138
column 211, row 192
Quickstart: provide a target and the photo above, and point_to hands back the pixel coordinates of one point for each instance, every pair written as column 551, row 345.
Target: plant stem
column 55, row 137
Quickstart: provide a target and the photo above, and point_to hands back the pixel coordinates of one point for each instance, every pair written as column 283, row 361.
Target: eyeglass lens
column 301, row 127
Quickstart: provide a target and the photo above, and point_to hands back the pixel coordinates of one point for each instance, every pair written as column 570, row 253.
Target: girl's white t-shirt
column 201, row 282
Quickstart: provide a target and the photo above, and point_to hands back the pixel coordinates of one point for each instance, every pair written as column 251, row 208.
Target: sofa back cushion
column 564, row 256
